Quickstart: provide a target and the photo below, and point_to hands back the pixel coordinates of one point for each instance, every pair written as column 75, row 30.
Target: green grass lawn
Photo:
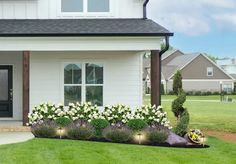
column 38, row 151
column 218, row 116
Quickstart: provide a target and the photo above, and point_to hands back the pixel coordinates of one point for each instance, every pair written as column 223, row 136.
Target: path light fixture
column 139, row 137
column 61, row 132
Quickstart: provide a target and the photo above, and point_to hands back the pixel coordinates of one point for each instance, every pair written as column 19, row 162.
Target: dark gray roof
column 82, row 27
column 168, row 53
column 181, row 61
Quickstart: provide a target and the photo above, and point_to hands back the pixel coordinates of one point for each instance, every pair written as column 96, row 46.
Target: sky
column 207, row 26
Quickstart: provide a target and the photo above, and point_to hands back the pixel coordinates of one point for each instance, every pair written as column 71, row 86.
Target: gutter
column 167, row 45
column 145, row 9
column 166, row 48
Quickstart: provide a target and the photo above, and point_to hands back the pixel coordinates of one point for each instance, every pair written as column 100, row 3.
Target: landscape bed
column 147, row 125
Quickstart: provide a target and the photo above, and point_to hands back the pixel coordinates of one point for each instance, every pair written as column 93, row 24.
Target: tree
column 213, row 58
column 177, row 82
column 163, row 45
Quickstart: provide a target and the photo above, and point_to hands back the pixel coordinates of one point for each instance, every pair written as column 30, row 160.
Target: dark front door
column 6, row 92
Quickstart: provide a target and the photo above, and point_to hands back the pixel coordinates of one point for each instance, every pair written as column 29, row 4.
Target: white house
column 228, row 65
column 75, row 50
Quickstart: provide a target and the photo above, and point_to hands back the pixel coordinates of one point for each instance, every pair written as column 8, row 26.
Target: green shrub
column 44, row 129
column 182, row 125
column 99, row 125
column 156, row 135
column 83, row 132
column 198, row 93
column 162, row 89
column 179, row 111
column 216, row 93
column 137, row 124
column 177, row 82
column 177, row 104
column 116, row 134
column 63, row 121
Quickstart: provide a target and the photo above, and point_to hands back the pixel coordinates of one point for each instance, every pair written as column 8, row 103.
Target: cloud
column 191, row 17
column 227, row 18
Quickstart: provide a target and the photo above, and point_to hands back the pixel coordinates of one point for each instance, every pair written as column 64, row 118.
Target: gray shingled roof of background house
column 82, row 27
column 177, row 64
column 181, row 61
column 168, row 53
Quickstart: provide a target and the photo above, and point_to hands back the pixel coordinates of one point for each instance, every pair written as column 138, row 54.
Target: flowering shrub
column 45, row 111
column 51, row 111
column 84, row 111
column 152, row 115
column 117, row 114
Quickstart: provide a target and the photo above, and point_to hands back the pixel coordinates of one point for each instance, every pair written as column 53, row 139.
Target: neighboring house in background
column 198, row 71
column 229, row 66
column 73, row 51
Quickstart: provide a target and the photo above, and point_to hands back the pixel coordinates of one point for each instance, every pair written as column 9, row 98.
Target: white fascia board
column 206, row 80
column 80, row 43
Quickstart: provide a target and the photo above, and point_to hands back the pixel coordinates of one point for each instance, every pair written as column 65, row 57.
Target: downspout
column 166, row 48
column 145, row 9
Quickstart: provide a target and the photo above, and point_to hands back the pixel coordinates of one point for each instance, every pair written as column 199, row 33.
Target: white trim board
column 80, row 43
column 207, row 80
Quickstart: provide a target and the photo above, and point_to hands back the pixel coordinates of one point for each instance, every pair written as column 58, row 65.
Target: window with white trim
column 83, row 83
column 81, row 6
column 209, row 71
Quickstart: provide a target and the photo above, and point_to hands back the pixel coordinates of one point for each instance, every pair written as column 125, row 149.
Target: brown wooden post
column 155, row 78
column 26, row 83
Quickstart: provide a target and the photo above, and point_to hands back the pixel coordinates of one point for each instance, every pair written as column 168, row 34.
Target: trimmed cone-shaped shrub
column 117, row 134
column 182, row 125
column 44, row 129
column 179, row 111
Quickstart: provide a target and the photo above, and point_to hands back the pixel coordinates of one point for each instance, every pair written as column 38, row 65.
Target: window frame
column 208, row 71
column 83, row 81
column 85, row 12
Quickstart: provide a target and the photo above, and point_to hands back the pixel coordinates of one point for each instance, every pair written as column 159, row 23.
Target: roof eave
column 87, row 35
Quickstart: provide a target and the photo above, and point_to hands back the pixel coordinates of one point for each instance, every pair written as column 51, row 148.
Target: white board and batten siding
column 50, row 9
column 122, row 75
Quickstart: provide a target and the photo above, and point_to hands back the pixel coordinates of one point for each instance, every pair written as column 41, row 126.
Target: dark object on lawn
column 80, row 132
column 175, row 140
column 63, row 121
column 117, row 134
column 99, row 125
column 137, row 124
column 44, row 129
column 157, row 135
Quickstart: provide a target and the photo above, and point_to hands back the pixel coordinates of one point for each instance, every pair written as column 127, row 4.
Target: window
column 85, row 6
column 72, row 5
column 83, row 82
column 94, row 84
column 72, row 83
column 98, row 5
column 227, row 88
column 209, row 71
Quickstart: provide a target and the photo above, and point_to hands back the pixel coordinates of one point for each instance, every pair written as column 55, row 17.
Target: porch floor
column 13, row 126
